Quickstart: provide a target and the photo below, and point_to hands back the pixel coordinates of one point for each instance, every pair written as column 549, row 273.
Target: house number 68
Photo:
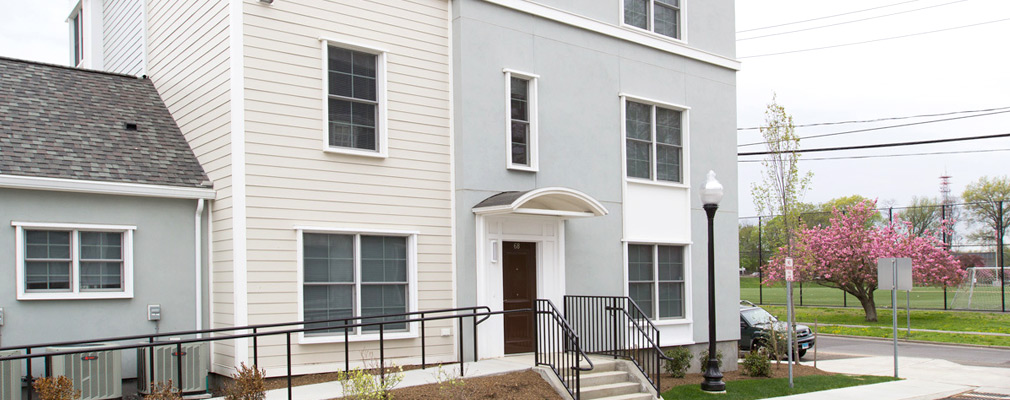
column 516, row 246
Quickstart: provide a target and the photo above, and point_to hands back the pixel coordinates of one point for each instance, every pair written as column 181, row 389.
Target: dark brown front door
column 519, row 288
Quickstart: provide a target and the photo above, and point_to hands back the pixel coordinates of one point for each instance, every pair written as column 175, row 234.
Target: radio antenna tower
column 946, row 209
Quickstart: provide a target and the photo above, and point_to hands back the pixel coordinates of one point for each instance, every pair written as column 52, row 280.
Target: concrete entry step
column 593, row 378
column 632, row 396
column 610, row 390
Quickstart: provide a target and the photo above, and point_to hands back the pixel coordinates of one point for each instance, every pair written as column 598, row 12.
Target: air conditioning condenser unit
column 97, row 373
column 195, row 359
column 10, row 376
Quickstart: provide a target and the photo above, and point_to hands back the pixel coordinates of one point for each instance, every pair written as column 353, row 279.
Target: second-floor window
column 654, row 148
column 77, row 37
column 521, row 129
column 660, row 16
column 354, row 100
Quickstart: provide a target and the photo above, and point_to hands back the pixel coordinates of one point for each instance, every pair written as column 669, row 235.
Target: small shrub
column 248, row 384
column 361, row 385
column 164, row 391
column 56, row 388
column 681, row 360
column 703, row 358
column 450, row 384
column 756, row 363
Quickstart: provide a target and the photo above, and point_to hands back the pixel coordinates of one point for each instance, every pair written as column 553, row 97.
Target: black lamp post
column 711, row 195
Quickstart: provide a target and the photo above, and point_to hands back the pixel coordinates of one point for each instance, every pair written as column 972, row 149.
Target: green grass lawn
column 817, row 295
column 962, row 321
column 765, row 388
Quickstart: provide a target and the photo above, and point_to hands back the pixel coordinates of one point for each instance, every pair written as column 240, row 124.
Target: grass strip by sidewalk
column 939, row 337
column 937, row 320
column 765, row 388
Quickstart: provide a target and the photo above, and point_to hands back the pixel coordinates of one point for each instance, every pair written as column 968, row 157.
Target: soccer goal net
column 980, row 290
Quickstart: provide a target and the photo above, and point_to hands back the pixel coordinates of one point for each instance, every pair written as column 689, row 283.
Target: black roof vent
column 130, row 126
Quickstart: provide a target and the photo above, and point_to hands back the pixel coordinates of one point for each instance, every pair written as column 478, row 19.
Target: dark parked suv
column 754, row 325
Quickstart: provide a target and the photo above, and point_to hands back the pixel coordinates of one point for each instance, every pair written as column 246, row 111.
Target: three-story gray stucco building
column 583, row 132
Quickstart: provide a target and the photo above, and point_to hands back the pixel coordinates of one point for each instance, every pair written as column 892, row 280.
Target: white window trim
column 651, row 21
column 381, row 120
column 75, row 292
column 688, row 317
column 685, row 141
column 412, row 327
column 533, row 145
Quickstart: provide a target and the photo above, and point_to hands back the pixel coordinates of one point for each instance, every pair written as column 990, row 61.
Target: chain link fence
column 971, row 231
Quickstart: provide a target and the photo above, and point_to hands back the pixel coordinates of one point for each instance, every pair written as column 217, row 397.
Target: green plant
column 366, row 384
column 450, row 384
column 756, row 363
column 680, row 361
column 56, row 388
column 703, row 358
column 248, row 384
column 164, row 391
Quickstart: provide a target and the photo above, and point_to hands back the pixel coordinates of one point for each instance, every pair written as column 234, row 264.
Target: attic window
column 130, row 126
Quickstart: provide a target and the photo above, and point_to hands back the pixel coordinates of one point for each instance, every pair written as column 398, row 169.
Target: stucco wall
column 581, row 77
column 163, row 269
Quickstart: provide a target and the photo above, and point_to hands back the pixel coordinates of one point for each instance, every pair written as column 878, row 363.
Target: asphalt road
column 833, row 347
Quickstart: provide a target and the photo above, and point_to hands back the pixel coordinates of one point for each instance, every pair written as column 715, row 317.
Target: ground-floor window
column 656, row 279
column 356, row 274
column 58, row 261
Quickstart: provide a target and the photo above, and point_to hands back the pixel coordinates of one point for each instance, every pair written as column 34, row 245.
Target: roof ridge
column 86, row 70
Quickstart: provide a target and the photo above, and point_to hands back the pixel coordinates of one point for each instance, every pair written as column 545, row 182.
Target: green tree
column 782, row 186
column 923, row 216
column 749, row 249
column 987, row 205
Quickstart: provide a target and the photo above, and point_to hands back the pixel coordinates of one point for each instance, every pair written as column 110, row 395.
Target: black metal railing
column 257, row 331
column 616, row 326
column 558, row 347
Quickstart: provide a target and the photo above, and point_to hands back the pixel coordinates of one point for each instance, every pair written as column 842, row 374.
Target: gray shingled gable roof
column 62, row 122
column 501, row 199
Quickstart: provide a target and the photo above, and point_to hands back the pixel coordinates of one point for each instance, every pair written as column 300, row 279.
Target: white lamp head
column 711, row 193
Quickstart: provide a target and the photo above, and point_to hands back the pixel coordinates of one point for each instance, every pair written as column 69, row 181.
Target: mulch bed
column 512, row 386
column 780, row 371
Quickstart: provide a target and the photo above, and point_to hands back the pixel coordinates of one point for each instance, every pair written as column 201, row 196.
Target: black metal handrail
column 557, row 347
column 634, row 337
column 477, row 317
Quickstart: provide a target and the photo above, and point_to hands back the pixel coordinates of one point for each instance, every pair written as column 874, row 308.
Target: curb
column 980, row 346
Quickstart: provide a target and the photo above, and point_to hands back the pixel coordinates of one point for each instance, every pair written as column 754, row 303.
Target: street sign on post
column 894, row 274
column 790, row 277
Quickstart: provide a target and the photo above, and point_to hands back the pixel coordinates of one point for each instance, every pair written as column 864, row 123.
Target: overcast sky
column 953, row 70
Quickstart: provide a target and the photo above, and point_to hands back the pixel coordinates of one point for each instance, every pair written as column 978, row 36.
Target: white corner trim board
column 632, row 35
column 99, row 187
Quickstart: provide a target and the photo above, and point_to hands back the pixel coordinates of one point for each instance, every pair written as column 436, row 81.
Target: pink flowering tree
column 844, row 255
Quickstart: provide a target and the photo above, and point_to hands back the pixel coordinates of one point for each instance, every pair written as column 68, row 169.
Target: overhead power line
column 885, row 118
column 888, row 155
column 850, row 22
column 887, row 127
column 875, row 40
column 879, row 145
column 825, row 17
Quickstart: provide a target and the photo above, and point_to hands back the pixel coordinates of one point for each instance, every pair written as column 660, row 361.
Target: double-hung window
column 355, row 101
column 77, row 37
column 660, row 16
column 653, row 142
column 73, row 261
column 349, row 275
column 521, row 120
column 656, row 280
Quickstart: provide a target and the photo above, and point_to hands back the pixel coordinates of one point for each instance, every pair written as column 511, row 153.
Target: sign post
column 894, row 274
column 790, row 277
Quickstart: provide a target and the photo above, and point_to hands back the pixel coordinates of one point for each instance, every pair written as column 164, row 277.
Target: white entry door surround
column 536, row 216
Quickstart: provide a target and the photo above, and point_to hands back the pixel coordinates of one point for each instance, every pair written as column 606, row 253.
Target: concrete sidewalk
column 923, row 379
